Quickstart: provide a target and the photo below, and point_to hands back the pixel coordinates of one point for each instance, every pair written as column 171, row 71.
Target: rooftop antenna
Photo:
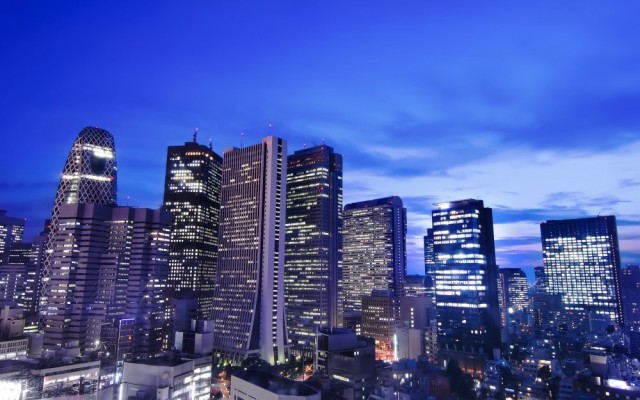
column 195, row 136
column 210, row 144
column 241, row 138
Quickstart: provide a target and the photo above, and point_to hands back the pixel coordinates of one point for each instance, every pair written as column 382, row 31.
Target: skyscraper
column 466, row 282
column 313, row 248
column 512, row 288
column 582, row 264
column 192, row 194
column 374, row 250
column 11, row 231
column 88, row 177
column 107, row 263
column 248, row 308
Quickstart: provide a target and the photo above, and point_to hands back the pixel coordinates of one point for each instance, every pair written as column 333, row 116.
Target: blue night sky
column 533, row 107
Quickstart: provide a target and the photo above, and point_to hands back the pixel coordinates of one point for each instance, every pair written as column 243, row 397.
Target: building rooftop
column 275, row 383
column 392, row 201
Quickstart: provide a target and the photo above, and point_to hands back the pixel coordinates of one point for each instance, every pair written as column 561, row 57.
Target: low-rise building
column 262, row 385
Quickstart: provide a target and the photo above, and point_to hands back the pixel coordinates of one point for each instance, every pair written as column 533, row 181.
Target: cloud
column 528, row 185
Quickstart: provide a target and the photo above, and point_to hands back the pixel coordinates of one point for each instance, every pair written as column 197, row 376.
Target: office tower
column 512, row 288
column 248, row 308
column 108, row 264
column 192, row 194
column 466, row 283
column 88, row 177
column 630, row 291
column 11, row 231
column 313, row 248
column 374, row 250
column 582, row 264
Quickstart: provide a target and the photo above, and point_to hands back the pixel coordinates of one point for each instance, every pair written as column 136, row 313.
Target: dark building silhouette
column 466, row 283
column 582, row 264
column 313, row 251
column 192, row 195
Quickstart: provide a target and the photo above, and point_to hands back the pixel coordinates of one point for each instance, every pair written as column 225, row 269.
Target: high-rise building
column 248, row 308
column 466, row 283
column 192, row 194
column 582, row 264
column 11, row 232
column 89, row 176
column 108, row 263
column 313, row 251
column 513, row 288
column 374, row 250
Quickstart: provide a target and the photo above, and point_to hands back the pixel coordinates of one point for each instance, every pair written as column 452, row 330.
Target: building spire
column 195, row 136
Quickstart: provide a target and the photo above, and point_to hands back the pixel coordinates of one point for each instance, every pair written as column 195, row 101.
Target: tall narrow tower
column 374, row 250
column 192, row 194
column 314, row 243
column 88, row 177
column 248, row 307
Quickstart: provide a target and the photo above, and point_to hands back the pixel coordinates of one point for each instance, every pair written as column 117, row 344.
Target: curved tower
column 88, row 177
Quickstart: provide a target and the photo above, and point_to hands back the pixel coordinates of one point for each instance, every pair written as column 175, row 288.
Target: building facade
column 249, row 308
column 466, row 282
column 374, row 250
column 107, row 263
column 582, row 264
column 313, row 251
column 192, row 195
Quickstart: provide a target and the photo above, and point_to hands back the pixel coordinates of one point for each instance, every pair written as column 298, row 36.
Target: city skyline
column 535, row 115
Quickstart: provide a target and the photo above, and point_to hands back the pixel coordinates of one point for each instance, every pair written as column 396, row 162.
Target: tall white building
column 248, row 307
